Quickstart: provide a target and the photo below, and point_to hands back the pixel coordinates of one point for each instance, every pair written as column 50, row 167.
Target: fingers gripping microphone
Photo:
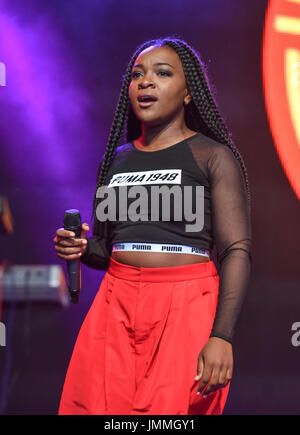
column 72, row 222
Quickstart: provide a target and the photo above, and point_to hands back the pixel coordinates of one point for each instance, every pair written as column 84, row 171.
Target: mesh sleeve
column 97, row 253
column 232, row 234
column 98, row 250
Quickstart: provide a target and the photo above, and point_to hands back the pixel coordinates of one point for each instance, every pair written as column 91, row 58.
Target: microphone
column 72, row 222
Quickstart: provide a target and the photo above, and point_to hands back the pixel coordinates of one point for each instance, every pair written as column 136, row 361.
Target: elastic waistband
column 159, row 247
column 162, row 274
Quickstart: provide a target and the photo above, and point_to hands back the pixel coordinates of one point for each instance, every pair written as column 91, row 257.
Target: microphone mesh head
column 72, row 218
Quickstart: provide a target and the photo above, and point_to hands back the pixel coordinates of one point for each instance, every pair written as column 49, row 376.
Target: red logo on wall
column 281, row 81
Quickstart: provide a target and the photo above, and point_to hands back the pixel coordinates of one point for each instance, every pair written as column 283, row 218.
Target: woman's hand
column 67, row 246
column 215, row 365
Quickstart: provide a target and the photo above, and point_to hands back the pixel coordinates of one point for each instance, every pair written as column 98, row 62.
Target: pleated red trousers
column 137, row 349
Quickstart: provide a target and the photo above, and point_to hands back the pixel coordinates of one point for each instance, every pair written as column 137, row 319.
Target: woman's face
column 158, row 73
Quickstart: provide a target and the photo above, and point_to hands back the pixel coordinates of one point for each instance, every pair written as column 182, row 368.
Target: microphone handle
column 74, row 271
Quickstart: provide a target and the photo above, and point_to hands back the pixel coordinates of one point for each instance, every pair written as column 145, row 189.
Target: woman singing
column 158, row 337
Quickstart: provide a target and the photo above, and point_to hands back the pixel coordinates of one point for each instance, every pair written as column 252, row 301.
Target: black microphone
column 72, row 222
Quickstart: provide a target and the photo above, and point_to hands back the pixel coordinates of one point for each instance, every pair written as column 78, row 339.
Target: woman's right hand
column 67, row 246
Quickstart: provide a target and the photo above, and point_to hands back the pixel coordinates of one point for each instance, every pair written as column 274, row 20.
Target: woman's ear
column 188, row 98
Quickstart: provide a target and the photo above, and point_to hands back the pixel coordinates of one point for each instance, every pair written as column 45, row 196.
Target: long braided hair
column 201, row 114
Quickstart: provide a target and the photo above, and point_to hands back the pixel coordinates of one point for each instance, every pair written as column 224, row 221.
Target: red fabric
column 137, row 349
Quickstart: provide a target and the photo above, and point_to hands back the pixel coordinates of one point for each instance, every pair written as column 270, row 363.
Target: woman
column 158, row 336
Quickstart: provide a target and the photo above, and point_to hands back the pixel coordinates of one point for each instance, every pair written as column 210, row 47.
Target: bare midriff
column 157, row 259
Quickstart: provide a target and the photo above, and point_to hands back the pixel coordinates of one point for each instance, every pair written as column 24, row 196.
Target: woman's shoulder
column 206, row 143
column 123, row 150
column 215, row 158
column 208, row 151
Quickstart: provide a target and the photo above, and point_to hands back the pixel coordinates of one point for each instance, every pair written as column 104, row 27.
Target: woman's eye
column 135, row 74
column 163, row 73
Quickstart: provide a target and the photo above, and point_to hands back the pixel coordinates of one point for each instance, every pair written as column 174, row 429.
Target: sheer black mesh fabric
column 231, row 229
column 97, row 253
column 98, row 250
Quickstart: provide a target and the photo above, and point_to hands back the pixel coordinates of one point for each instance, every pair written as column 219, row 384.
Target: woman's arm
column 98, row 250
column 232, row 233
column 97, row 253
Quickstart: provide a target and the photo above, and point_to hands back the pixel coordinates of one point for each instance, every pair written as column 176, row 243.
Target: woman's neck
column 158, row 137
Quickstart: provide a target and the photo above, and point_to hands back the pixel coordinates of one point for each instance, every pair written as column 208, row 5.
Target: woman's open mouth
column 146, row 100
column 146, row 103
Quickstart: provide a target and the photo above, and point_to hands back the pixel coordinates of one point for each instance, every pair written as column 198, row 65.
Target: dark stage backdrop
column 64, row 64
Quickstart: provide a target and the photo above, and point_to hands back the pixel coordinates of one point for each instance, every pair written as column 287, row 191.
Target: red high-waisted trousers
column 137, row 349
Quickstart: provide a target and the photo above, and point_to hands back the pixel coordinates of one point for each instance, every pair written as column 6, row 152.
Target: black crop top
column 208, row 208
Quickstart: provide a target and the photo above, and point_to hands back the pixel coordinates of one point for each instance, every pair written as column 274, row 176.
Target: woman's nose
column 145, row 84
